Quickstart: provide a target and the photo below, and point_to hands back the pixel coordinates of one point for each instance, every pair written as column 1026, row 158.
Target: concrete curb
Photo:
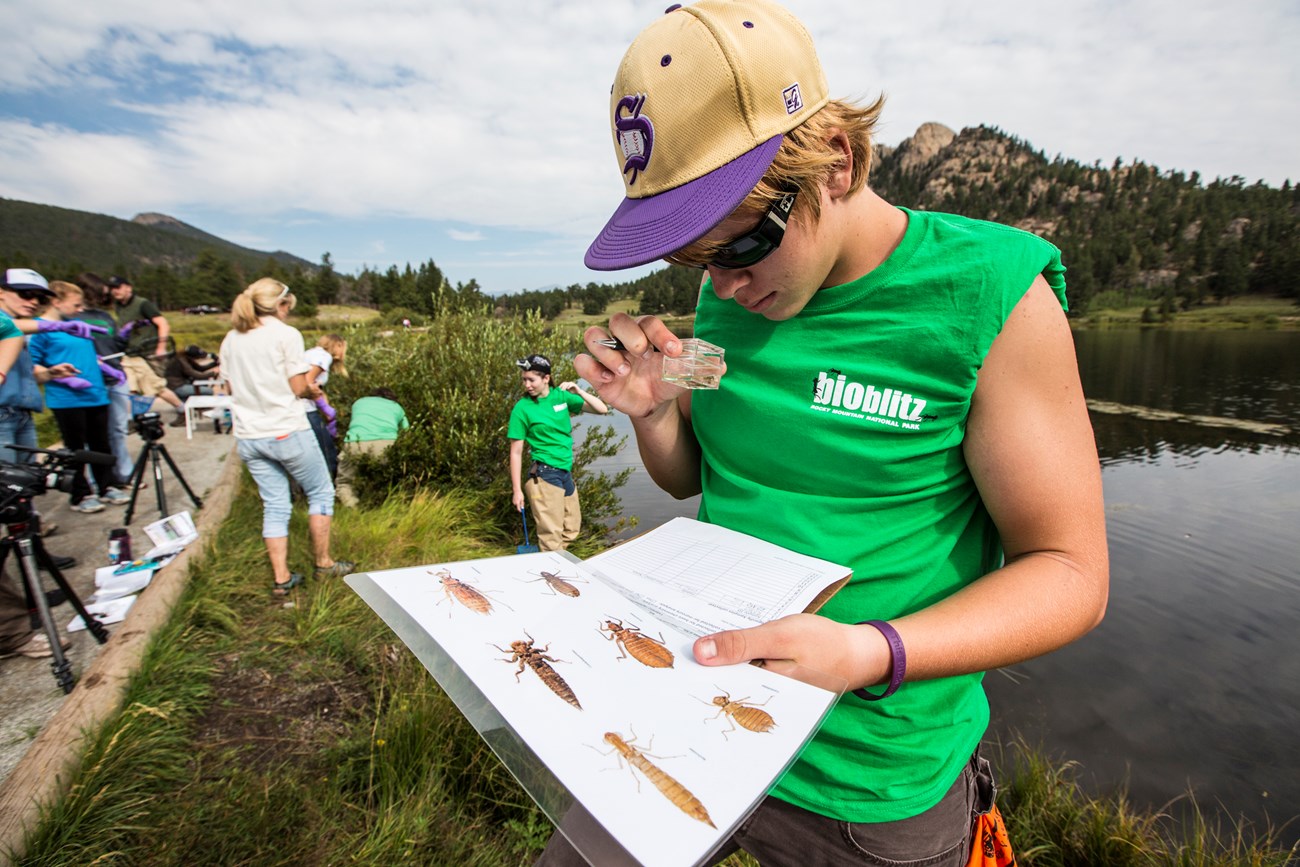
column 44, row 774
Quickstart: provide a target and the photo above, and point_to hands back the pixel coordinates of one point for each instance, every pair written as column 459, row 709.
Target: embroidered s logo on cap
column 636, row 134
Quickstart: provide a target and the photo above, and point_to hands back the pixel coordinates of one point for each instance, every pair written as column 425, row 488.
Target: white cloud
column 460, row 235
column 492, row 114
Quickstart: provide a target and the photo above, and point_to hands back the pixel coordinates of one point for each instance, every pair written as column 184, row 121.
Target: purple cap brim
column 643, row 230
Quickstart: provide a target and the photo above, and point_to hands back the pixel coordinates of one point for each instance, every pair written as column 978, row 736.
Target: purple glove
column 73, row 382
column 112, row 376
column 125, row 331
column 326, row 410
column 330, row 414
column 71, row 326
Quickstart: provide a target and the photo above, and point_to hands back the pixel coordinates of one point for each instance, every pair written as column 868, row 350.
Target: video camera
column 20, row 482
column 149, row 425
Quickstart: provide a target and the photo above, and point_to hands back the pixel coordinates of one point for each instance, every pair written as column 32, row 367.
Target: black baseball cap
column 115, row 281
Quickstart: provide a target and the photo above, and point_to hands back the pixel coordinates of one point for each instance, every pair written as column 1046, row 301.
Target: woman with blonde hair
column 79, row 402
column 262, row 362
column 325, row 358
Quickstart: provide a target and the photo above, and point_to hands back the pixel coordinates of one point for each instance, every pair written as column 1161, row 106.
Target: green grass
column 263, row 734
column 1246, row 313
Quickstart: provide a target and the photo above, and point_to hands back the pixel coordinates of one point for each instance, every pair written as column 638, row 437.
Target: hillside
column 64, row 241
column 1124, row 230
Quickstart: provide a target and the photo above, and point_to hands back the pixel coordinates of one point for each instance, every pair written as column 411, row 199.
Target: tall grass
column 264, row 733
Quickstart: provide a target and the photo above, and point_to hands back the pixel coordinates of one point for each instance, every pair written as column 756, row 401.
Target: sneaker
column 179, row 421
column 338, row 570
column 115, row 497
column 88, row 505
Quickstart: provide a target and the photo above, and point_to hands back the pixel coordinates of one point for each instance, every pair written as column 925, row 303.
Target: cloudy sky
column 475, row 134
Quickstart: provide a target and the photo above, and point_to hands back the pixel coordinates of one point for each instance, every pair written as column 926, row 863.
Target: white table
column 199, row 402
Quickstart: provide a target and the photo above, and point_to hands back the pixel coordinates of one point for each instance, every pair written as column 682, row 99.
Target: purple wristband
column 897, row 653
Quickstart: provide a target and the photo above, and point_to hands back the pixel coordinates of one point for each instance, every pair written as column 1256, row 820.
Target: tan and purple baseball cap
column 699, row 107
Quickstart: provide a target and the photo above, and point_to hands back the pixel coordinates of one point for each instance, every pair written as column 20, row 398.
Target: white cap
column 26, row 278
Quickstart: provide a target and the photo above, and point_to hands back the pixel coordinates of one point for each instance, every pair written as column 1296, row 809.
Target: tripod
column 153, row 450
column 19, row 537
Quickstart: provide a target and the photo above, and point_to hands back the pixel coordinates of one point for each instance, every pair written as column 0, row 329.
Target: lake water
column 1193, row 679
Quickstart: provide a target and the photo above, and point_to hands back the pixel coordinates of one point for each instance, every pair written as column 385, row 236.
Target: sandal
column 282, row 589
column 338, row 570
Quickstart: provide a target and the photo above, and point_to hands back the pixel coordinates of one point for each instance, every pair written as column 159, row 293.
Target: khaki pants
column 348, row 467
column 141, row 378
column 556, row 518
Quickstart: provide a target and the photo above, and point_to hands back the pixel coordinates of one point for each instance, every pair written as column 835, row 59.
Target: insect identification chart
column 572, row 676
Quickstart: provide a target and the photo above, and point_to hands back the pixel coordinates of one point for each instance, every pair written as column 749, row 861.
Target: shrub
column 458, row 382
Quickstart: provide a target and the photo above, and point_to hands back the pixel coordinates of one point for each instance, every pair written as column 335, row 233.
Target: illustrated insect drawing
column 559, row 584
column 458, row 591
column 743, row 712
column 524, row 653
column 651, row 652
column 674, row 791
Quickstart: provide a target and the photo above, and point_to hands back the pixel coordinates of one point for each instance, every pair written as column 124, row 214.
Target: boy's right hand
column 630, row 379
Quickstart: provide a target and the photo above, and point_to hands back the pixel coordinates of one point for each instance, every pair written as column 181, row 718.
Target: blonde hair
column 262, row 298
column 337, row 347
column 802, row 163
column 63, row 290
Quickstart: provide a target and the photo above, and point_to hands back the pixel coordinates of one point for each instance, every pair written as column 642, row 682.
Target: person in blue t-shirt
column 80, row 401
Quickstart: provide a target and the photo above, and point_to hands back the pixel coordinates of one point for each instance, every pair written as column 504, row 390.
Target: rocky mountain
column 63, row 240
column 1128, row 230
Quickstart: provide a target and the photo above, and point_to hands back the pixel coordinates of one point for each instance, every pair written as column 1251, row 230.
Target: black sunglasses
column 30, row 294
column 758, row 243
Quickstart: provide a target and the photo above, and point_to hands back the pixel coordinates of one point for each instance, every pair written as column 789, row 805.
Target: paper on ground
column 110, row 611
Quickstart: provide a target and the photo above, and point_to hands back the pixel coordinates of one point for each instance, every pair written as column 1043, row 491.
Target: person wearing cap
column 541, row 419
column 901, row 396
column 146, row 332
column 22, row 292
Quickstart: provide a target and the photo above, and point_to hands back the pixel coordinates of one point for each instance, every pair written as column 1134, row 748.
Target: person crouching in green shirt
column 541, row 419
column 373, row 426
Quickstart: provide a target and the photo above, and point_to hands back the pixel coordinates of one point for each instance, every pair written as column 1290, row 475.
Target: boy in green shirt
column 901, row 396
column 541, row 419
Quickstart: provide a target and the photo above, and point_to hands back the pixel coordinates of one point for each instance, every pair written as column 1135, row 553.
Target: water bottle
column 119, row 545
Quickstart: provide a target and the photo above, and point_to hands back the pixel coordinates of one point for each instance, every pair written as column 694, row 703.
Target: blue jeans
column 16, row 428
column 272, row 462
column 119, row 417
column 562, row 479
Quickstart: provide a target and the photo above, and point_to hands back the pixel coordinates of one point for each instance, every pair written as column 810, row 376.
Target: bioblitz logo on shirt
column 893, row 407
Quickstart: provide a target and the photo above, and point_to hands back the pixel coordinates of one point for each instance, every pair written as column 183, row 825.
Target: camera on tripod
column 149, row 425
column 20, row 482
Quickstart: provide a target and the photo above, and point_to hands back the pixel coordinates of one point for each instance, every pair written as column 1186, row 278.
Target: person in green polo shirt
column 541, row 419
column 375, row 422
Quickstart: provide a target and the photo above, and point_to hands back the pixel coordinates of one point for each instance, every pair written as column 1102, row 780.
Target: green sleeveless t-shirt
column 838, row 434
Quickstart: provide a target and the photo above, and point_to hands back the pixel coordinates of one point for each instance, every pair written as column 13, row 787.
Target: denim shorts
column 272, row 462
column 554, row 476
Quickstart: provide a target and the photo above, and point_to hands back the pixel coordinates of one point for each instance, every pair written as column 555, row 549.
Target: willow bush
column 458, row 381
